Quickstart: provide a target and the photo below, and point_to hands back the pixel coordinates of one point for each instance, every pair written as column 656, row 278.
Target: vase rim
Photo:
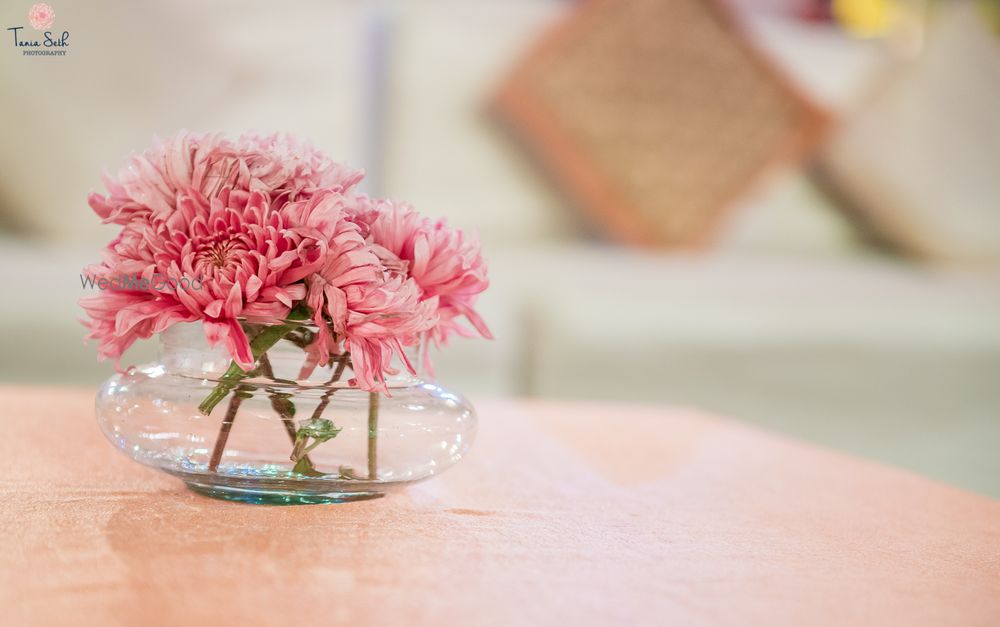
column 184, row 346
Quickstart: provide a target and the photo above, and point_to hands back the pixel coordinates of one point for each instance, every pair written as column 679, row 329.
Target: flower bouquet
column 286, row 301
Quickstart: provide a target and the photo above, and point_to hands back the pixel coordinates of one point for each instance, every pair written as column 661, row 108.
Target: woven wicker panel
column 655, row 115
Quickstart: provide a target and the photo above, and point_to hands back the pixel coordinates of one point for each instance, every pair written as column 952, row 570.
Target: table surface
column 581, row 513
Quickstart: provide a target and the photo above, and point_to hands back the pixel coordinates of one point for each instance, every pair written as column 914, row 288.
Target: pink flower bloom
column 142, row 318
column 41, row 16
column 446, row 264
column 290, row 169
column 264, row 224
column 248, row 265
column 382, row 319
column 190, row 164
column 355, row 299
column 202, row 207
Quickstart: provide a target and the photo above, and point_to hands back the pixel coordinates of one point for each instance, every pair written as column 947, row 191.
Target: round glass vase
column 272, row 437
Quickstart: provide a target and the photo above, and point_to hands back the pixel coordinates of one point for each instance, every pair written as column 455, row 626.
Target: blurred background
column 783, row 211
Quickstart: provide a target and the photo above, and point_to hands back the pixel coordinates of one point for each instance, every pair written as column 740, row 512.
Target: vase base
column 278, row 497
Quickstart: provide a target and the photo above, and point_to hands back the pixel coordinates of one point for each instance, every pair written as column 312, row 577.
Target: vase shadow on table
column 169, row 545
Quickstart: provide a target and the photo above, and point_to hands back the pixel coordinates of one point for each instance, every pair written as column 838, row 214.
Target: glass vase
column 274, row 437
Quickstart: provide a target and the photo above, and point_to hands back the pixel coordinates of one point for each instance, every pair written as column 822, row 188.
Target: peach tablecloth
column 564, row 514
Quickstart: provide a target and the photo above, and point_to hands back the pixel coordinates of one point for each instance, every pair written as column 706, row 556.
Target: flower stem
column 373, row 400
column 325, row 400
column 281, row 403
column 227, row 424
column 259, row 345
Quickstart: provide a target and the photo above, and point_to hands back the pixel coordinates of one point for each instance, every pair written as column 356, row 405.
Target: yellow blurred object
column 866, row 18
column 991, row 13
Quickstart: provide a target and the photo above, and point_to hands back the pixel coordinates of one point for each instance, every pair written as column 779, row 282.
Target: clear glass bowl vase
column 274, row 438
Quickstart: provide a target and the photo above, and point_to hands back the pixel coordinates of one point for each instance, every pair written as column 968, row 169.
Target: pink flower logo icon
column 41, row 16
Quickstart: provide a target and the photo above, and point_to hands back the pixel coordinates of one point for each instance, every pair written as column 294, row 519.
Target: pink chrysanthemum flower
column 264, row 224
column 199, row 207
column 247, row 264
column 191, row 164
column 381, row 320
column 356, row 300
column 446, row 264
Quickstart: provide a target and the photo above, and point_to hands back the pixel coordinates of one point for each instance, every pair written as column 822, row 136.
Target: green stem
column 373, row 399
column 260, row 344
column 281, row 403
column 242, row 392
column 325, row 400
column 303, row 465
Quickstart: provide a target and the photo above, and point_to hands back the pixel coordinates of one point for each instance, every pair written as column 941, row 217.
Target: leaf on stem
column 318, row 430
